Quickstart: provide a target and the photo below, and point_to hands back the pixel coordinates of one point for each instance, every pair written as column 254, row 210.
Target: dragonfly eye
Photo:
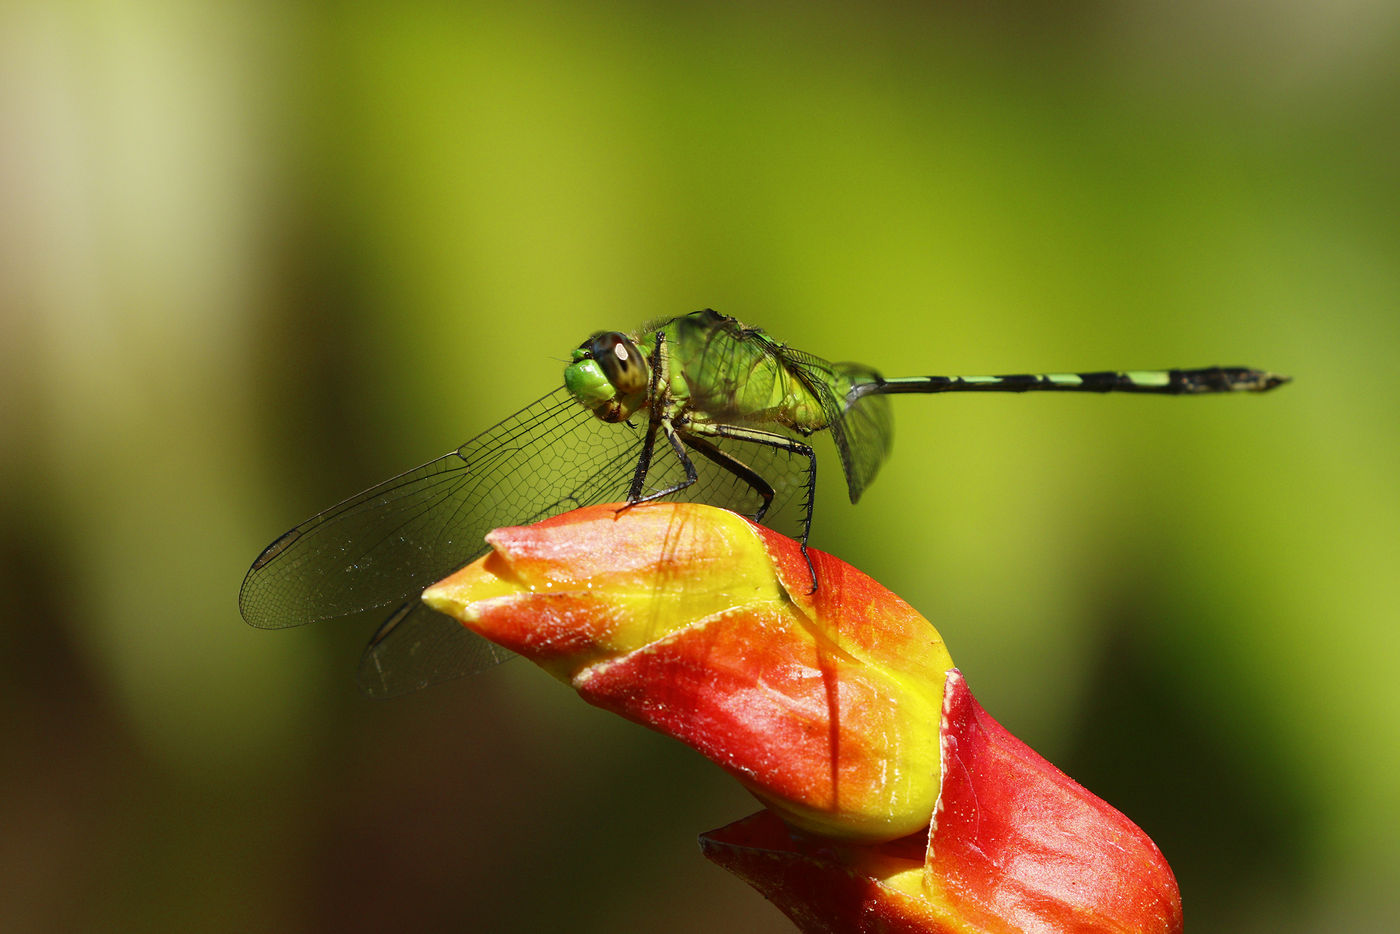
column 621, row 361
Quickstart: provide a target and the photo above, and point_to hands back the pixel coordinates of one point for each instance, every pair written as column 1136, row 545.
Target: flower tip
column 462, row 594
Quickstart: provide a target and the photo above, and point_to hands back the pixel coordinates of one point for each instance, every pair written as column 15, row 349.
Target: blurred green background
column 256, row 256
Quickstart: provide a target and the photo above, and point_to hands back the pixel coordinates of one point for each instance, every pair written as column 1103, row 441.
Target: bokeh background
column 257, row 256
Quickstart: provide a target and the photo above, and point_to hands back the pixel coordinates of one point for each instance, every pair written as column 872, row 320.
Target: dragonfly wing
column 357, row 555
column 418, row 646
column 863, row 431
column 383, row 546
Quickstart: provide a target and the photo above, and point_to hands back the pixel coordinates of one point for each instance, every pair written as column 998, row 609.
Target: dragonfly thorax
column 608, row 376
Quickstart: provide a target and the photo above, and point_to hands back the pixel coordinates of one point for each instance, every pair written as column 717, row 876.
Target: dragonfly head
column 608, row 376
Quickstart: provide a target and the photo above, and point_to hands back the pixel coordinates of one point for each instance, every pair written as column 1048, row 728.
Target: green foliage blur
column 257, row 256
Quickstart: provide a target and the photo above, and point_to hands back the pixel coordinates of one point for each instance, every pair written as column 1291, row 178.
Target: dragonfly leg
column 735, row 466
column 681, row 440
column 782, row 443
column 686, row 462
column 639, row 476
column 656, row 407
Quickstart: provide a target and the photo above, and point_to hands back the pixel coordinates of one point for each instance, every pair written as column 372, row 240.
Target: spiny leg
column 686, row 462
column 680, row 439
column 782, row 443
column 735, row 466
column 655, row 417
column 639, row 476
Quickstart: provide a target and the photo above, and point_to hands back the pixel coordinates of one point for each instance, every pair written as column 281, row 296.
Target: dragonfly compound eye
column 608, row 375
column 621, row 361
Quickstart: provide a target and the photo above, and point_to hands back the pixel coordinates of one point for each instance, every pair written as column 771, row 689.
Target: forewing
column 418, row 646
column 382, row 547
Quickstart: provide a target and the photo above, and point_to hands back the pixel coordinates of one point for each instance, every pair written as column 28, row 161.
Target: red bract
column 895, row 802
column 1015, row 846
column 698, row 623
column 1016, row 840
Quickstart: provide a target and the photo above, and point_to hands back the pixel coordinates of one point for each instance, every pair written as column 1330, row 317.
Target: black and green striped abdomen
column 1212, row 379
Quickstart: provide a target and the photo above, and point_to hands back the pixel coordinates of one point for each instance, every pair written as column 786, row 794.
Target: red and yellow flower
column 894, row 802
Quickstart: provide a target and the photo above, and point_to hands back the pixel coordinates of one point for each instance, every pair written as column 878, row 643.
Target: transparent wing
column 722, row 374
column 418, row 646
column 383, row 546
column 866, row 430
column 862, row 432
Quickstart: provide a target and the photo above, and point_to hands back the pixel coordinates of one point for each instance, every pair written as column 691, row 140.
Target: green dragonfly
column 698, row 407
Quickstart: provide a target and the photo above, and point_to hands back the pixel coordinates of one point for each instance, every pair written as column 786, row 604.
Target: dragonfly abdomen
column 1213, row 379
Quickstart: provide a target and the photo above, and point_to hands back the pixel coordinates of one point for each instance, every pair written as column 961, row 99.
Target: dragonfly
column 698, row 407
